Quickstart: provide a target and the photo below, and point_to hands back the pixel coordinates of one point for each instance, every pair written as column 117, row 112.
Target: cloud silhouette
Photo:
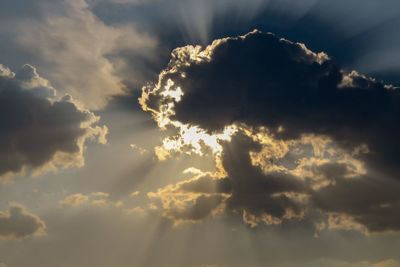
column 309, row 135
column 18, row 223
column 38, row 131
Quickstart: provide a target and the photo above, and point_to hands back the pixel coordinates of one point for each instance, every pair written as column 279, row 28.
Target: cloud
column 307, row 140
column 245, row 190
column 188, row 207
column 40, row 132
column 75, row 200
column 96, row 199
column 368, row 200
column 79, row 53
column 191, row 201
column 18, row 223
column 100, row 199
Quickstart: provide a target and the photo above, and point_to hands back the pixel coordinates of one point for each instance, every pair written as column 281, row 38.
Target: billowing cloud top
column 38, row 131
column 307, row 140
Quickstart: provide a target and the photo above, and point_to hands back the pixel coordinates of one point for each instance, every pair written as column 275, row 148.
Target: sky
column 199, row 133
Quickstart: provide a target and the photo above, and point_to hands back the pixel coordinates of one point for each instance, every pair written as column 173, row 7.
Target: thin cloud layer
column 18, row 223
column 79, row 53
column 38, row 131
column 96, row 199
column 309, row 140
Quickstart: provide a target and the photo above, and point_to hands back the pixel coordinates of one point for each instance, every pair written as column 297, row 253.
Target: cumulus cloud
column 245, row 190
column 38, row 131
column 183, row 206
column 18, row 223
column 305, row 136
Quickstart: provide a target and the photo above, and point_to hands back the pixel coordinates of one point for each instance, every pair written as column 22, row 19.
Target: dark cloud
column 18, row 223
column 253, row 191
column 38, row 130
column 263, row 82
column 208, row 185
column 371, row 201
column 245, row 190
column 276, row 197
column 202, row 207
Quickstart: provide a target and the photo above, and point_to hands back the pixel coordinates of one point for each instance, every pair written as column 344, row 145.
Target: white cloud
column 77, row 52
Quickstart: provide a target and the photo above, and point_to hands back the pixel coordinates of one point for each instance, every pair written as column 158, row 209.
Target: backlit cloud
column 18, row 223
column 39, row 131
column 297, row 138
column 96, row 199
